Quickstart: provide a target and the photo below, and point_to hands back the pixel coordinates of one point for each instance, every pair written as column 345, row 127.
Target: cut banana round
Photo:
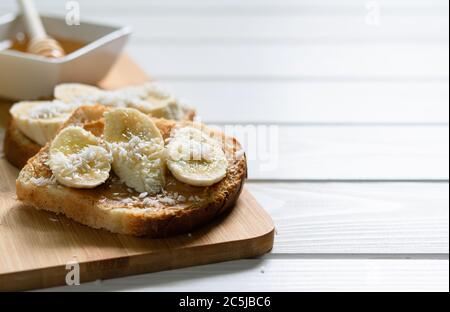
column 137, row 148
column 146, row 98
column 193, row 157
column 40, row 120
column 78, row 160
column 151, row 100
column 76, row 92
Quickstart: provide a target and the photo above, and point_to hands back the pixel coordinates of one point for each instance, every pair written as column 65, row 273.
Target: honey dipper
column 40, row 43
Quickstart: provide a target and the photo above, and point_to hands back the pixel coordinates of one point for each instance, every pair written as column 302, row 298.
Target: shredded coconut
column 73, row 166
column 144, row 97
column 143, row 158
column 195, row 199
column 167, row 200
column 127, row 200
column 41, row 181
column 148, row 201
column 50, row 110
column 143, row 195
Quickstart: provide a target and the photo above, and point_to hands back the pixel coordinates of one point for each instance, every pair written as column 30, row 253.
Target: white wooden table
column 357, row 93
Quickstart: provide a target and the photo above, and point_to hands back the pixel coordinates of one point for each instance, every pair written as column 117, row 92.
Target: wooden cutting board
column 36, row 246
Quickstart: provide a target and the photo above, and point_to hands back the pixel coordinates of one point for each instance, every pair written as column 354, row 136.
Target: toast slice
column 112, row 206
column 18, row 148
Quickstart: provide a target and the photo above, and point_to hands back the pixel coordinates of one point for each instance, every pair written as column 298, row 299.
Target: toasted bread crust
column 84, row 210
column 18, row 148
column 95, row 209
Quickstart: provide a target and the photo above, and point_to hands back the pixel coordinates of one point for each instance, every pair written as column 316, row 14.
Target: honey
column 20, row 43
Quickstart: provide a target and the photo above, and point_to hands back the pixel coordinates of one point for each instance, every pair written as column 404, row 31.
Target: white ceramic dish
column 26, row 76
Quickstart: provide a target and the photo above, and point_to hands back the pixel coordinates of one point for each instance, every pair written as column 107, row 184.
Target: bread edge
column 151, row 226
column 17, row 147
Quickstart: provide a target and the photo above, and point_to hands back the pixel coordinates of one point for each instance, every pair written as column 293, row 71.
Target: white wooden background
column 360, row 197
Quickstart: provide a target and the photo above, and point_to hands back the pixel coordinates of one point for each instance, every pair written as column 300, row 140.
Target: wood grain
column 40, row 244
column 357, row 218
column 283, row 275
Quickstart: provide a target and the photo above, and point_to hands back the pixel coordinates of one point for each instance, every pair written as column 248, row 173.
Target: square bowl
column 25, row 76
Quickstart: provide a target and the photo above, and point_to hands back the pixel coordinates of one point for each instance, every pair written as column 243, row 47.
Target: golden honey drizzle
column 20, row 43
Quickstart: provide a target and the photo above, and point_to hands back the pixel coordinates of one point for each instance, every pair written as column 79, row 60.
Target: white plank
column 292, row 62
column 266, row 29
column 344, row 152
column 278, row 29
column 305, row 27
column 288, row 275
column 290, row 101
column 220, row 4
column 357, row 218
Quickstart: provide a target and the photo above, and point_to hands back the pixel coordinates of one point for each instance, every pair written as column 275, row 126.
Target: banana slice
column 89, row 95
column 76, row 92
column 138, row 149
column 195, row 158
column 149, row 99
column 146, row 98
column 40, row 120
column 77, row 159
